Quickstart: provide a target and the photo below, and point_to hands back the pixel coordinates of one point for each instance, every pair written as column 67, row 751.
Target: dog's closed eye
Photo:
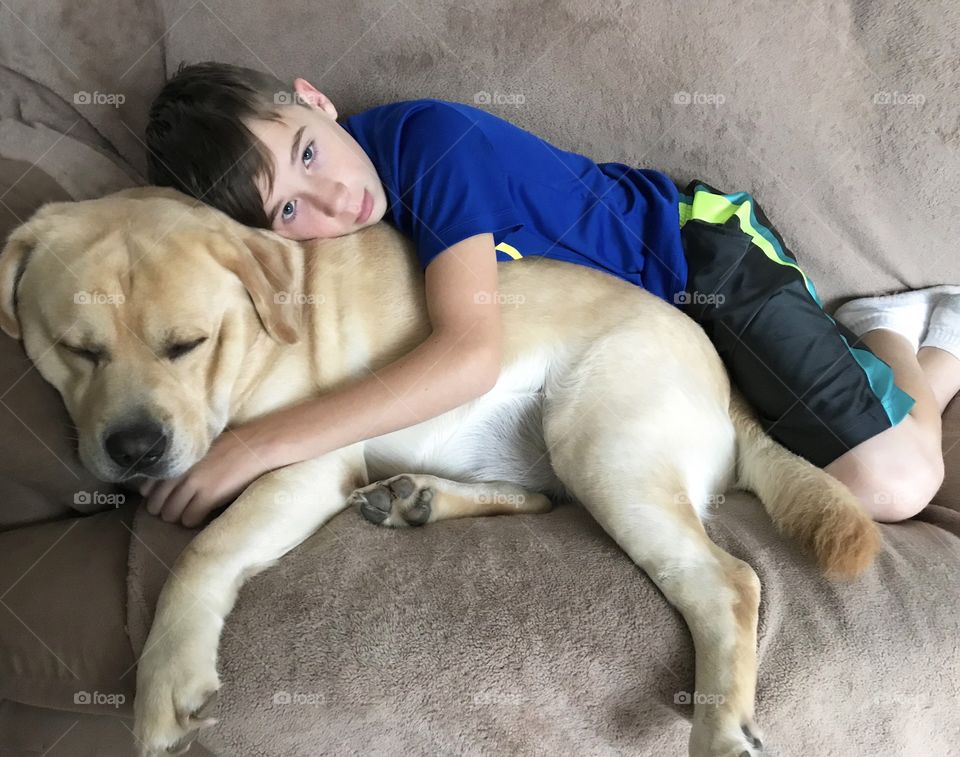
column 180, row 349
column 92, row 354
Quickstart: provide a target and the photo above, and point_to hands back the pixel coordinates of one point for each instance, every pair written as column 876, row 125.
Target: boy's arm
column 458, row 362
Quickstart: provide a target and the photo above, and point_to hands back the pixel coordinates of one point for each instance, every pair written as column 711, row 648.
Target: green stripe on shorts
column 715, row 208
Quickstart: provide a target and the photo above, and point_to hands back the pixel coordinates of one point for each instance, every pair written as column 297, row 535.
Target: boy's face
column 324, row 183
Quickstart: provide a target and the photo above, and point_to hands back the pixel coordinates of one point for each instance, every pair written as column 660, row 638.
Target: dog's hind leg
column 412, row 499
column 652, row 520
column 644, row 460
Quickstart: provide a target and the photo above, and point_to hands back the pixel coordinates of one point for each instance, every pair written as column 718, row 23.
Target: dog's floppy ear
column 13, row 262
column 268, row 268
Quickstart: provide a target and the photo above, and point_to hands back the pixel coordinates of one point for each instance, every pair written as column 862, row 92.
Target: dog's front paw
column 175, row 696
column 398, row 501
column 714, row 740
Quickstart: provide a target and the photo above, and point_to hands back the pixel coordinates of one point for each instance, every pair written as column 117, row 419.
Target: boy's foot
column 944, row 329
column 906, row 313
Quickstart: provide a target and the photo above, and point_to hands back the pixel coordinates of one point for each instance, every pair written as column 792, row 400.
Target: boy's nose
column 331, row 200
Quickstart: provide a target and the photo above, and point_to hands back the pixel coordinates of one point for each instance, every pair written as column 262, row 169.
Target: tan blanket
column 536, row 635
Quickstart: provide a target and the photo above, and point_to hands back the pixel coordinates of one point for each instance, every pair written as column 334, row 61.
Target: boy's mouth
column 366, row 207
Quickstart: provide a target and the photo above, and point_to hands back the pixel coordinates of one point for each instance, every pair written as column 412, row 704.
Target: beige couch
column 522, row 635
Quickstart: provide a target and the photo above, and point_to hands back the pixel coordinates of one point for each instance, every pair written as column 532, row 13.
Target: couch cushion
column 80, row 76
column 24, row 187
column 40, row 732
column 62, row 614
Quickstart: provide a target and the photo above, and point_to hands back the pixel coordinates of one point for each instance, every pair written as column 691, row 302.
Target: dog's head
column 139, row 308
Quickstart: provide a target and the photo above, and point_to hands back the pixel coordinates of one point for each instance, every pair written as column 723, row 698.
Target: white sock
column 906, row 313
column 944, row 329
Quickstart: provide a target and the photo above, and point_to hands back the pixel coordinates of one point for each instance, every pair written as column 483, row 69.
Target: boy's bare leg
column 943, row 374
column 896, row 473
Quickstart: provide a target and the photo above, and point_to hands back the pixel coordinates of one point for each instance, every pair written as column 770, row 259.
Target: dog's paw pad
column 199, row 714
column 754, row 740
column 183, row 744
column 398, row 501
column 418, row 509
column 374, row 503
column 727, row 739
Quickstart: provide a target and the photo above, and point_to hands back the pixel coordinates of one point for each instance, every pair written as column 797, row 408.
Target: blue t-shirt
column 452, row 171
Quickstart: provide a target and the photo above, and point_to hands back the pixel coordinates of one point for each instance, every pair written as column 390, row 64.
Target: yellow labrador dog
column 161, row 321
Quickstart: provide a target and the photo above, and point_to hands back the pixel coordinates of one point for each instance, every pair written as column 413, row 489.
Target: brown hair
column 198, row 141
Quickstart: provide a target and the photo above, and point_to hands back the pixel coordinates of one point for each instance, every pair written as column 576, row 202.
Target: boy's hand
column 234, row 460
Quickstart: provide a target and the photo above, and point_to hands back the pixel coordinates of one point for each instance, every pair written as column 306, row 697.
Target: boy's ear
column 268, row 269
column 315, row 97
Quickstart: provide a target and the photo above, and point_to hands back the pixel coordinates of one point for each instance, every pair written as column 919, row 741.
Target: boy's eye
column 288, row 211
column 308, row 154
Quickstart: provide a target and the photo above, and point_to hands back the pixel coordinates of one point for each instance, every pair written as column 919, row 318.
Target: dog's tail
column 805, row 503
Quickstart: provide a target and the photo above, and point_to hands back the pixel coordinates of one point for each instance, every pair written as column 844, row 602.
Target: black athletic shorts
column 817, row 390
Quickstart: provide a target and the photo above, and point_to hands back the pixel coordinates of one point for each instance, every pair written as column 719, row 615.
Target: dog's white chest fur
column 498, row 436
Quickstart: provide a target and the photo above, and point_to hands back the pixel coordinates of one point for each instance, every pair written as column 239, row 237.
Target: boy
column 470, row 189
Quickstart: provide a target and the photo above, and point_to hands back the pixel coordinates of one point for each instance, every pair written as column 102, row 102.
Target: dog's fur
column 606, row 394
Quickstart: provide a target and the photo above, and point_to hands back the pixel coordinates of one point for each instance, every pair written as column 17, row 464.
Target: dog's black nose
column 137, row 446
